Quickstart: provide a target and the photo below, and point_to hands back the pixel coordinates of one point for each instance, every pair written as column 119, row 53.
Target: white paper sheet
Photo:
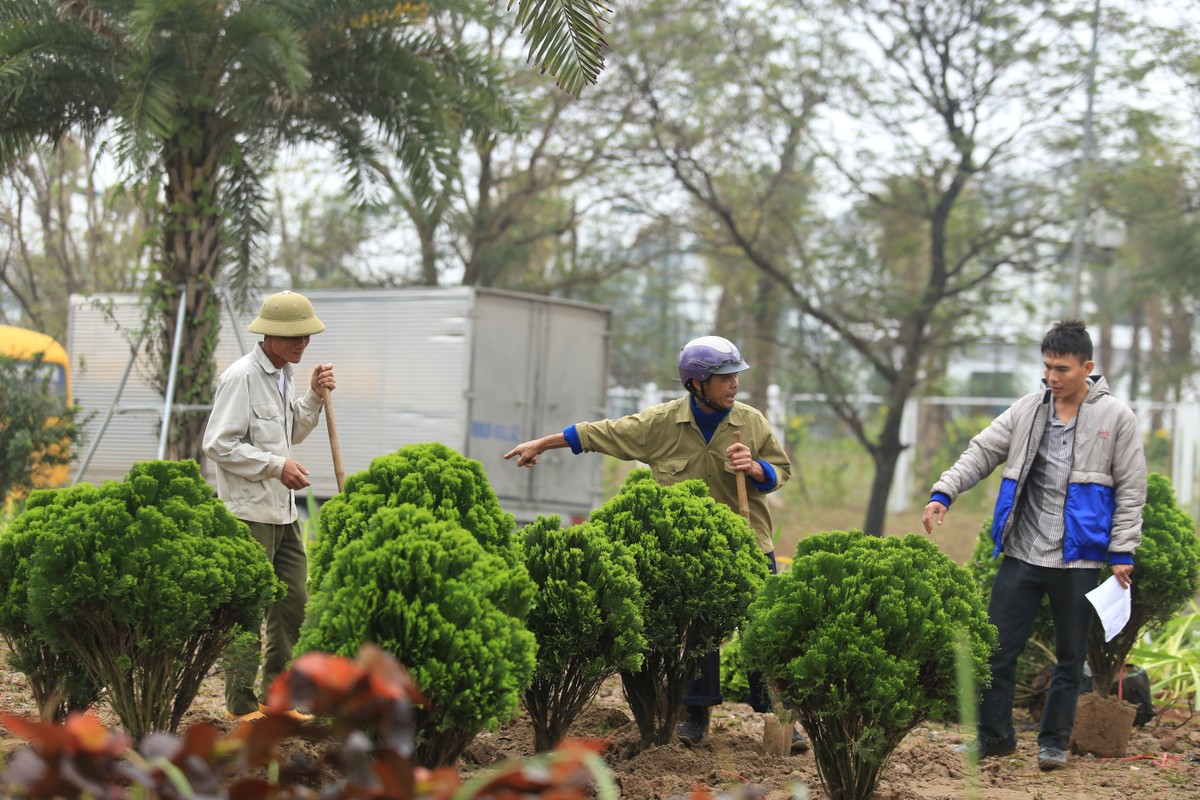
column 1112, row 603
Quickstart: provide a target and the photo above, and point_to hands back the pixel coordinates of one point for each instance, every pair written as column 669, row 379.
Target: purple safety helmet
column 709, row 355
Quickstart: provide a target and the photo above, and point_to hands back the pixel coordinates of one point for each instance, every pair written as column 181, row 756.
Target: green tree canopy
column 200, row 95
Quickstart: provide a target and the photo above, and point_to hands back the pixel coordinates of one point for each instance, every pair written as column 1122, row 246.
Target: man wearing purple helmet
column 690, row 438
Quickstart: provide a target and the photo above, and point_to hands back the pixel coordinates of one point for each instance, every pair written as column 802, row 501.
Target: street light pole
column 1085, row 164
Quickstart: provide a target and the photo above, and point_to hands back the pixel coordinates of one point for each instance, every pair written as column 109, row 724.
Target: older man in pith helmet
column 257, row 416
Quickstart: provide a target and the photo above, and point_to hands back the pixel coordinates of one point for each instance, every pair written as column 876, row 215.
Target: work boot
column 799, row 743
column 692, row 729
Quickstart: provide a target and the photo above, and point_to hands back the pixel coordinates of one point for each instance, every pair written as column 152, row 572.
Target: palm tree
column 199, row 96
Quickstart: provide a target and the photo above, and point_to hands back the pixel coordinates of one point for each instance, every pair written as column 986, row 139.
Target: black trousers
column 705, row 688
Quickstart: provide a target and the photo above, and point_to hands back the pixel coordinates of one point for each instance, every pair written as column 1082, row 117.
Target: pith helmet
column 287, row 314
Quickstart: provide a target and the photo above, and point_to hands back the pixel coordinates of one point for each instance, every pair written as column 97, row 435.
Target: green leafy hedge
column 735, row 683
column 587, row 618
column 430, row 476
column 1166, row 575
column 57, row 680
column 36, row 430
column 858, row 639
column 699, row 567
column 144, row 582
column 423, row 589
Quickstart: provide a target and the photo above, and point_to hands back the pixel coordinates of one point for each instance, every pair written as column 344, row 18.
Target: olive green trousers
column 285, row 550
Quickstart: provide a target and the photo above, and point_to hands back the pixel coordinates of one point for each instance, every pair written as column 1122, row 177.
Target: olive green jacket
column 666, row 438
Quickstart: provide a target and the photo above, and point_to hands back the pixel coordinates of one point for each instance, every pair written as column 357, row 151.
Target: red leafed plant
column 367, row 704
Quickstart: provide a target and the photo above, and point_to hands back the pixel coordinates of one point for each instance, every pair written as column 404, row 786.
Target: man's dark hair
column 1068, row 338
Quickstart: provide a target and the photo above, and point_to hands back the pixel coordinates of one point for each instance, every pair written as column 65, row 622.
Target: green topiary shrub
column 425, row 590
column 431, row 476
column 144, row 582
column 858, row 639
column 57, row 680
column 586, row 616
column 699, row 568
column 1166, row 575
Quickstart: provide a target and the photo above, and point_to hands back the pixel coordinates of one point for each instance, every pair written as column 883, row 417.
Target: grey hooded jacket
column 1107, row 485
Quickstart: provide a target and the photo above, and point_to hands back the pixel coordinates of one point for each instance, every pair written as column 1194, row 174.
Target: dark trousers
column 285, row 550
column 705, row 688
column 1016, row 598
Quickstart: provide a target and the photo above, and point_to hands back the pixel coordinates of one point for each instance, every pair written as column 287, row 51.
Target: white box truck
column 479, row 370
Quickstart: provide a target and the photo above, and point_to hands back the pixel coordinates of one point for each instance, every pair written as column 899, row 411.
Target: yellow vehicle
column 23, row 345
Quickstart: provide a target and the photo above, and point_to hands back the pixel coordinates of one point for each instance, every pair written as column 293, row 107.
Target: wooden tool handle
column 743, row 499
column 339, row 471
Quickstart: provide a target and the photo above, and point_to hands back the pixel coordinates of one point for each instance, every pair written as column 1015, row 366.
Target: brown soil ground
column 1163, row 761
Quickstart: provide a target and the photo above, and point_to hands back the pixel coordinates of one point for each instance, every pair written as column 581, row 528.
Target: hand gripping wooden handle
column 743, row 499
column 339, row 471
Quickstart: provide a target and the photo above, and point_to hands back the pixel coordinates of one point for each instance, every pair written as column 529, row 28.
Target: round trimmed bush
column 587, row 618
column 859, row 639
column 144, row 582
column 1166, row 575
column 425, row 590
column 699, row 566
column 57, row 680
column 430, row 476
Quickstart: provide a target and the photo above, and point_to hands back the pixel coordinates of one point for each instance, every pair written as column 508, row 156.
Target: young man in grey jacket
column 1070, row 503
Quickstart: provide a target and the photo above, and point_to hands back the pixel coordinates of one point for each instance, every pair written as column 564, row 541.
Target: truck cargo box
column 478, row 370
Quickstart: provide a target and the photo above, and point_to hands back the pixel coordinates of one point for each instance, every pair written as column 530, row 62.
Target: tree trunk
column 1157, row 360
column 762, row 345
column 427, row 233
column 902, row 383
column 885, row 453
column 1180, row 322
column 192, row 262
column 1105, row 354
column 1135, row 351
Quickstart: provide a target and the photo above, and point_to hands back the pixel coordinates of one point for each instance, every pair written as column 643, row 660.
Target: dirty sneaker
column 1051, row 758
column 799, row 743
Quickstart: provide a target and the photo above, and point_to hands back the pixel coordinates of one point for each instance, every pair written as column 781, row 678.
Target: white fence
column 1175, row 426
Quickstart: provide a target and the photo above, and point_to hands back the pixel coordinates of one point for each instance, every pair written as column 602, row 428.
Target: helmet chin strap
column 700, row 398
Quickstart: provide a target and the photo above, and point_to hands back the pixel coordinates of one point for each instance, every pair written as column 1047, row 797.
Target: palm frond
column 246, row 218
column 54, row 78
column 565, row 38
column 147, row 113
column 418, row 93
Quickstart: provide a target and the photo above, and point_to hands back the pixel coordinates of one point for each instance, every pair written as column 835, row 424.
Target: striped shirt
column 1037, row 536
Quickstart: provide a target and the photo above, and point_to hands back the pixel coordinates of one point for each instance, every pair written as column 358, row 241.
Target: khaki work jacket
column 667, row 439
